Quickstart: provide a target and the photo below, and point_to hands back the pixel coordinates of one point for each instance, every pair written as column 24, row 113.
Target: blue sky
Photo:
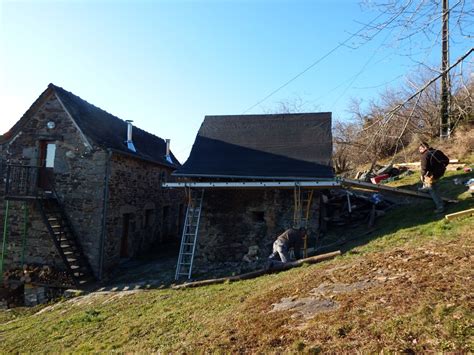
column 167, row 64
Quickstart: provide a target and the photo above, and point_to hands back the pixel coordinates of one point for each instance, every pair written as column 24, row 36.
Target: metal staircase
column 65, row 240
column 190, row 234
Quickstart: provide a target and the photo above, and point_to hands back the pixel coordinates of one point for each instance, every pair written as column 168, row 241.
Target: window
column 163, row 177
column 50, row 155
column 258, row 216
column 149, row 218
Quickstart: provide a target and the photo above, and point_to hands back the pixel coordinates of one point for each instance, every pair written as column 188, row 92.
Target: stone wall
column 232, row 221
column 38, row 247
column 138, row 205
column 79, row 171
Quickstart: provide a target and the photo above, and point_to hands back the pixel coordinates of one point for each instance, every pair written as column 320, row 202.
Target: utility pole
column 445, row 128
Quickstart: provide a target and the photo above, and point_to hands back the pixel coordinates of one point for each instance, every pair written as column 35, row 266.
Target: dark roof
column 105, row 129
column 281, row 146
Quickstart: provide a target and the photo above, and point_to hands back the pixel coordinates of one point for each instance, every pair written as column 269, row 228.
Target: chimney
column 168, row 155
column 129, row 140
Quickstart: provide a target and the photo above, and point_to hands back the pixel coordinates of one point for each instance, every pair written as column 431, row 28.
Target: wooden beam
column 396, row 190
column 253, row 274
column 452, row 216
column 376, row 187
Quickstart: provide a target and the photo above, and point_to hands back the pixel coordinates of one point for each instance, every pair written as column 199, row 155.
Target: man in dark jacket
column 291, row 238
column 433, row 165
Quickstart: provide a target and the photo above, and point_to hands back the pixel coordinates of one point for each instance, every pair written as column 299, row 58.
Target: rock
column 34, row 296
column 71, row 293
column 253, row 250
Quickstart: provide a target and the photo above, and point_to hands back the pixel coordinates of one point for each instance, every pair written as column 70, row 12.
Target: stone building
column 81, row 188
column 260, row 174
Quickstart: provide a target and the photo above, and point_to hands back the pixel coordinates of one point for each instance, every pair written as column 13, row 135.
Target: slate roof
column 103, row 128
column 280, row 146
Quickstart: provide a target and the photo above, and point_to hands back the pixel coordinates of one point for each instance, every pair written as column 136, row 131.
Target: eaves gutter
column 143, row 158
column 254, row 184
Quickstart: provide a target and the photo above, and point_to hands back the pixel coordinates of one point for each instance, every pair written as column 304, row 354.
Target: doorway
column 125, row 235
column 47, row 155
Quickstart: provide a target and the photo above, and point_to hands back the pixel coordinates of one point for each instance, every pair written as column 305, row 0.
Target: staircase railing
column 54, row 208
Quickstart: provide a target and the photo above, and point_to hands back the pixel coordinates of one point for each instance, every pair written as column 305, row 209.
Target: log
column 416, row 163
column 256, row 273
column 452, row 216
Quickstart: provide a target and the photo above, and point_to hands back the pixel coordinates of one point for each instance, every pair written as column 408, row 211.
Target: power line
column 317, row 61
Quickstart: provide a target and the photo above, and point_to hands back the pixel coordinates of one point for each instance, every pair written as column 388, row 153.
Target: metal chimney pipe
column 168, row 155
column 129, row 140
column 129, row 130
column 167, row 147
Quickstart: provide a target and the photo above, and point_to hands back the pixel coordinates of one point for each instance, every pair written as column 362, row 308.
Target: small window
column 50, row 155
column 149, row 218
column 162, row 177
column 166, row 212
column 258, row 216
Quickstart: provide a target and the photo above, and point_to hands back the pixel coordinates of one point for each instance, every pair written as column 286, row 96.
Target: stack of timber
column 46, row 275
column 350, row 208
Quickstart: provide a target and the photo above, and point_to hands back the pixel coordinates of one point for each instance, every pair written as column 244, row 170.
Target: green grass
column 427, row 309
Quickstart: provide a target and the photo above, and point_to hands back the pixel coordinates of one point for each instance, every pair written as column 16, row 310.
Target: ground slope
column 406, row 287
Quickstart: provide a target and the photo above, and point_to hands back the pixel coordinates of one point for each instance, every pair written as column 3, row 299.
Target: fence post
column 4, row 243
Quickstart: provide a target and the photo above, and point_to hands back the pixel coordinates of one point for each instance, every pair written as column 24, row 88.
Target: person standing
column 433, row 165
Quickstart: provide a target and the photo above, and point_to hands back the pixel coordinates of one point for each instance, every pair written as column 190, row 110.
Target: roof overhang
column 321, row 184
column 253, row 177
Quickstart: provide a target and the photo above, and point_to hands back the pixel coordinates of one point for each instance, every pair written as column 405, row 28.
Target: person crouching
column 291, row 238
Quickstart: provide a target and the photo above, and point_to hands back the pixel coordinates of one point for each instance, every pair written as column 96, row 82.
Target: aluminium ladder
column 190, row 234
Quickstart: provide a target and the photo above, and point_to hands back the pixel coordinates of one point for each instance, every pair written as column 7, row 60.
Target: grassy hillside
column 406, row 287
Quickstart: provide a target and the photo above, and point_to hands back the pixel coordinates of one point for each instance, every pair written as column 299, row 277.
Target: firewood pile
column 42, row 274
column 350, row 208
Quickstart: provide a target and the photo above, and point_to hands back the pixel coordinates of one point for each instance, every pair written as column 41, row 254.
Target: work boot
column 439, row 210
column 268, row 265
column 424, row 189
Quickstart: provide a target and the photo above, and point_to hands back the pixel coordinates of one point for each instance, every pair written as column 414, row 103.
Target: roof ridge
column 273, row 114
column 55, row 87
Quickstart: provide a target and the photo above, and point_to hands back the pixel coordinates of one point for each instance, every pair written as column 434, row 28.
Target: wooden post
column 253, row 274
column 452, row 216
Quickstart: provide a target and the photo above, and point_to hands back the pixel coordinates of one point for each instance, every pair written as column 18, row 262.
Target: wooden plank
column 452, row 216
column 253, row 274
column 376, row 187
column 396, row 190
column 417, row 163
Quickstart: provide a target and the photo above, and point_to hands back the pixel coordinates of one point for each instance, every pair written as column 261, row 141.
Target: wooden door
column 47, row 155
column 125, row 232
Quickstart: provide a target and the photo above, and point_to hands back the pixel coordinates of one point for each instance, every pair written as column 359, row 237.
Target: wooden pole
column 4, row 243
column 253, row 274
column 452, row 216
column 25, row 232
column 445, row 87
